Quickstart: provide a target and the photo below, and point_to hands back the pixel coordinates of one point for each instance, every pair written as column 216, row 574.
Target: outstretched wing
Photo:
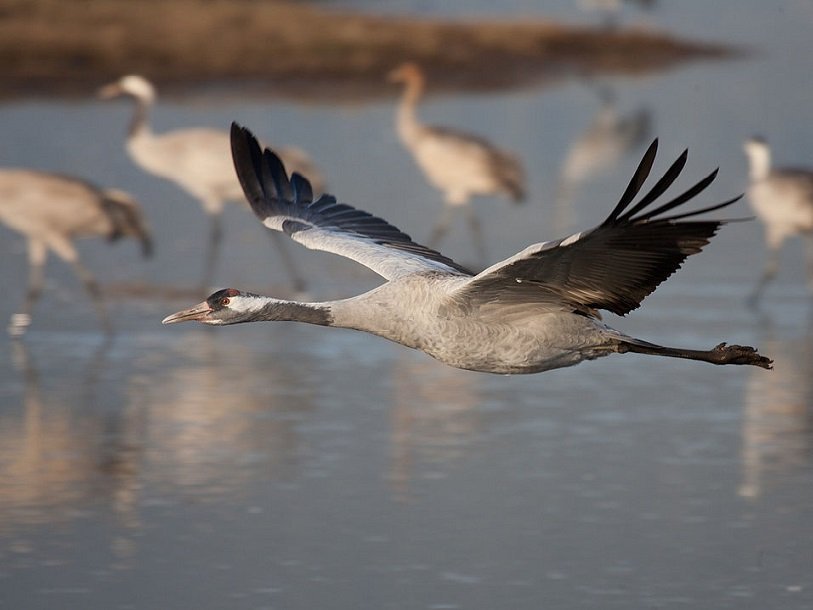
column 613, row 266
column 287, row 205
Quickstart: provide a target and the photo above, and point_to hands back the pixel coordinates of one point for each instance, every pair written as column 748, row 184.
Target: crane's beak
column 396, row 75
column 198, row 312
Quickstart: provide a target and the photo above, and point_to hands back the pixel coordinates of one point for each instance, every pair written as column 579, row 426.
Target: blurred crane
column 604, row 143
column 459, row 164
column 51, row 210
column 198, row 161
column 783, row 201
column 610, row 10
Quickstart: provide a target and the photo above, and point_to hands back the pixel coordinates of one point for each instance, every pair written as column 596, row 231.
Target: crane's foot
column 739, row 354
column 18, row 324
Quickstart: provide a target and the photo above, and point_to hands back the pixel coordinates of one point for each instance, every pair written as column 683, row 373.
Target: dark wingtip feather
column 247, row 157
column 275, row 175
column 636, row 182
column 302, row 188
column 660, row 187
column 691, row 193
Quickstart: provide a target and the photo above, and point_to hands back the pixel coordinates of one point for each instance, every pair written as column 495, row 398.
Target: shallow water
column 286, row 466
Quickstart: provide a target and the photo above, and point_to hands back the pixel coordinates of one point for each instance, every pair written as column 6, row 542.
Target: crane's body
column 51, row 211
column 532, row 312
column 197, row 160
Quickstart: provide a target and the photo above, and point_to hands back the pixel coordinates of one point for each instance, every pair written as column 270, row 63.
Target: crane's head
column 759, row 157
column 126, row 218
column 227, row 306
column 132, row 84
column 408, row 72
column 755, row 144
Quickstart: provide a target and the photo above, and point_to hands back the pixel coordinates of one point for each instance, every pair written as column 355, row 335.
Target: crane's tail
column 721, row 354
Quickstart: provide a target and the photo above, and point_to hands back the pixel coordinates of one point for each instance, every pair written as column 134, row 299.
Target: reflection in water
column 777, row 429
column 214, row 421
column 434, row 418
column 599, row 148
column 195, row 421
column 60, row 456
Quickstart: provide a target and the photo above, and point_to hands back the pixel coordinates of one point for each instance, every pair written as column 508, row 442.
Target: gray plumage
column 532, row 312
column 53, row 210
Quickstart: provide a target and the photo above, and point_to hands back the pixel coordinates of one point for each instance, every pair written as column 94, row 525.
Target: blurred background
column 296, row 467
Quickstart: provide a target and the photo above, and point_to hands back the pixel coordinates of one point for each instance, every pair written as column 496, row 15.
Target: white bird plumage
column 534, row 311
column 197, row 159
column 782, row 199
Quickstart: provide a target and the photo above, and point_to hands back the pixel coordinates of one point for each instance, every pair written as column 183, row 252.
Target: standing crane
column 459, row 164
column 782, row 199
column 198, row 161
column 535, row 311
column 606, row 140
column 51, row 210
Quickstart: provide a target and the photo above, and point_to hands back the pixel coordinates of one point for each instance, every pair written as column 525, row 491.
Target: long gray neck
column 406, row 119
column 760, row 162
column 293, row 311
column 139, row 123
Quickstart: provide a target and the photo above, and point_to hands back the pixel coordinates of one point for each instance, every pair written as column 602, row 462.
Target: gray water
column 293, row 467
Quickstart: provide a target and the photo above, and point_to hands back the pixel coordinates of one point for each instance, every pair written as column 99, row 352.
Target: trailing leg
column 721, row 354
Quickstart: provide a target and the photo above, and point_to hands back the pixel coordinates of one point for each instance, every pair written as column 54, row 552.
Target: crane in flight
column 535, row 311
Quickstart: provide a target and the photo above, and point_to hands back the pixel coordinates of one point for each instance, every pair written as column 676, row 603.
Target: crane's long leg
column 809, row 261
column 477, row 235
column 291, row 269
column 65, row 250
column 442, row 225
column 212, row 250
column 721, row 354
column 768, row 273
column 37, row 255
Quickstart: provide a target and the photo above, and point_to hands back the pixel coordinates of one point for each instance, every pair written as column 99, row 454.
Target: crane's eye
column 224, row 301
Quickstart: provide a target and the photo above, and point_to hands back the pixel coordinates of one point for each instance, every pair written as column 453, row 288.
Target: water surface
column 286, row 466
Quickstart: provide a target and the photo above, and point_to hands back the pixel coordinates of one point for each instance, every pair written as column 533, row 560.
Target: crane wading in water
column 532, row 312
column 459, row 164
column 51, row 210
column 198, row 161
column 783, row 200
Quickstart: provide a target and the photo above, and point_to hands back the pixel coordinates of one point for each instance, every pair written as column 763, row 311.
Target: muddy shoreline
column 297, row 49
